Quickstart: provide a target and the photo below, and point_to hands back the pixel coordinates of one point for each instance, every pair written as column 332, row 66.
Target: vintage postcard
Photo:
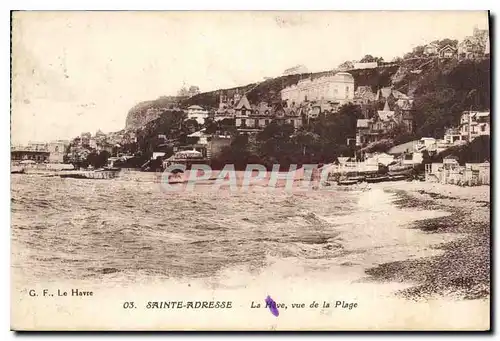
column 250, row 170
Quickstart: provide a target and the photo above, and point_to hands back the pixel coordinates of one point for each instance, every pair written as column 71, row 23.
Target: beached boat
column 401, row 170
column 347, row 182
column 359, row 178
column 97, row 174
column 377, row 179
column 17, row 170
column 397, row 177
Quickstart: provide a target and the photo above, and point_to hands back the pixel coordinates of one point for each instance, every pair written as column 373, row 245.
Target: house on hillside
column 228, row 99
column 263, row 109
column 196, row 112
column 404, row 113
column 431, row 49
column 470, row 48
column 290, row 115
column 474, row 124
column 377, row 127
column 364, row 95
column 337, row 88
column 447, row 52
column 313, row 109
column 454, row 136
column 481, row 35
column 242, row 112
column 250, row 118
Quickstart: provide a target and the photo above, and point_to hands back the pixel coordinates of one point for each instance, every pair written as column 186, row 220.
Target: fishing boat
column 358, row 178
column 114, row 169
column 95, row 174
column 17, row 170
column 400, row 169
column 397, row 177
column 376, row 179
column 346, row 182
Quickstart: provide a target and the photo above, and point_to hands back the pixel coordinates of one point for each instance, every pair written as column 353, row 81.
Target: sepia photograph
column 250, row 171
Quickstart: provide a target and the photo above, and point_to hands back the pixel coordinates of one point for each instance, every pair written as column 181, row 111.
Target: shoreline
column 463, row 270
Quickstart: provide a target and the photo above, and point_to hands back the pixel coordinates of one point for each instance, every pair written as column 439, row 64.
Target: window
column 56, row 149
column 243, row 112
column 483, row 128
column 243, row 122
column 266, row 122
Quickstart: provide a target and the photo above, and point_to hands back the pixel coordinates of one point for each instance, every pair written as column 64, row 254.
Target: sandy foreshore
column 463, row 270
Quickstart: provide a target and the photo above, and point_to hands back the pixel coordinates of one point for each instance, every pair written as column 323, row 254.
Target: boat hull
column 347, row 182
column 94, row 175
column 377, row 179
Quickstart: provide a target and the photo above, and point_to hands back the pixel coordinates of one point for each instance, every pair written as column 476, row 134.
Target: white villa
column 338, row 88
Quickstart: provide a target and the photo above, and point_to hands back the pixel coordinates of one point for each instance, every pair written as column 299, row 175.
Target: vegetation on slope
column 442, row 90
column 476, row 151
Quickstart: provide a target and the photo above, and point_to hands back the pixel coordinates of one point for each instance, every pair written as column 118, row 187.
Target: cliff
column 147, row 111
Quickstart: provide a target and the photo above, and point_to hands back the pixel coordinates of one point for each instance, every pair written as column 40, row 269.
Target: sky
column 74, row 72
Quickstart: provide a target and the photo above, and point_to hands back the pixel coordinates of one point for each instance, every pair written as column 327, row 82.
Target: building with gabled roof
column 250, row 119
column 385, row 120
column 364, row 95
column 243, row 105
column 447, row 52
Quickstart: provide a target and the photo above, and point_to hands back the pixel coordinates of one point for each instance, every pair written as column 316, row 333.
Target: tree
column 446, row 91
column 417, row 52
column 98, row 160
column 210, row 126
column 307, row 142
column 190, row 126
column 346, row 65
column 370, row 59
